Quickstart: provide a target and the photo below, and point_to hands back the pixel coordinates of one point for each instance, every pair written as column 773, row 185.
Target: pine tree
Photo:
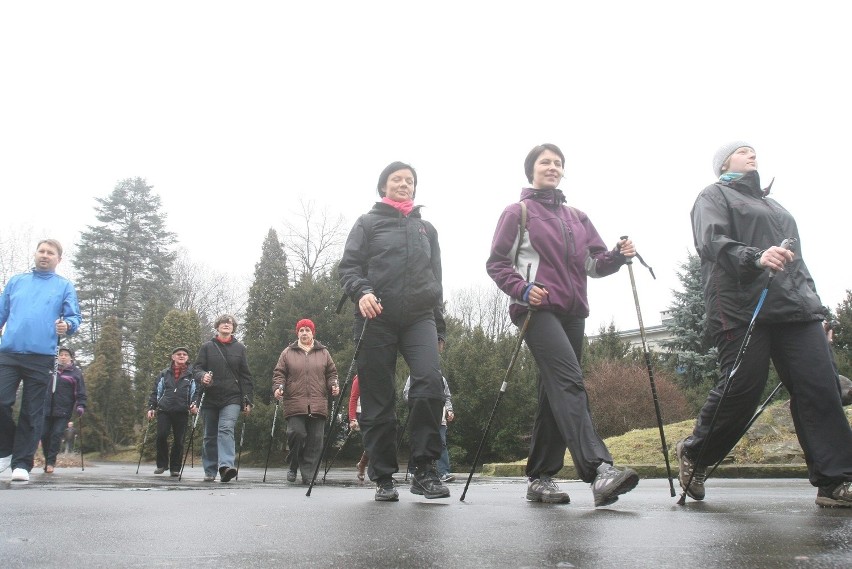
column 123, row 261
column 608, row 346
column 147, row 364
column 268, row 288
column 179, row 329
column 842, row 341
column 691, row 351
column 110, row 417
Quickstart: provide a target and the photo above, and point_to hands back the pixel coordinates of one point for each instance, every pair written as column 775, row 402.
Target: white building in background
column 654, row 335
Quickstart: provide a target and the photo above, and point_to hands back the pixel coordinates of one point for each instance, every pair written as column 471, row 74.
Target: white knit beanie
column 724, row 153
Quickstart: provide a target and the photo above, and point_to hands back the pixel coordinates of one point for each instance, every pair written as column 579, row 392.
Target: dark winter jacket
column 307, row 378
column 175, row 395
column 232, row 381
column 561, row 246
column 70, row 393
column 732, row 224
column 397, row 258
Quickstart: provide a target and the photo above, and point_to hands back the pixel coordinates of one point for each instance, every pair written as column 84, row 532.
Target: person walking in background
column 391, row 268
column 170, row 402
column 738, row 230
column 227, row 388
column 69, row 436
column 70, row 395
column 447, row 416
column 354, row 416
column 303, row 378
column 36, row 308
column 559, row 247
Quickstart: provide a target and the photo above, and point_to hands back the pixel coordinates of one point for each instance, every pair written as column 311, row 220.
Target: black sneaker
column 611, row 482
column 425, row 482
column 386, row 490
column 227, row 473
column 696, row 487
column 839, row 496
column 544, row 489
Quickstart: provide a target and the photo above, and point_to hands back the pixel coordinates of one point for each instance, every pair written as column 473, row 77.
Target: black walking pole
column 503, row 386
column 271, row 436
column 82, row 463
column 242, row 437
column 142, row 449
column 402, row 436
column 751, row 422
column 665, row 447
column 192, row 434
column 787, row 244
column 336, row 405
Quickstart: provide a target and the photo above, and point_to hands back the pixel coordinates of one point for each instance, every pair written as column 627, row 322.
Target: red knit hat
column 305, row 322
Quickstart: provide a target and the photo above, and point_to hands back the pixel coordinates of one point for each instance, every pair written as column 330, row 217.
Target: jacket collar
column 750, row 184
column 546, row 197
column 389, row 211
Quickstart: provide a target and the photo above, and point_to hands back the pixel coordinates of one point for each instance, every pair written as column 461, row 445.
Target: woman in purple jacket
column 546, row 272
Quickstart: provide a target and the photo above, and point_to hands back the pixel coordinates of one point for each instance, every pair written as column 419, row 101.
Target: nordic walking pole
column 786, row 244
column 751, row 422
column 192, row 433
column 503, row 386
column 82, row 464
column 271, row 436
column 336, row 405
column 56, row 363
column 648, row 365
column 242, row 437
column 142, row 449
column 402, row 436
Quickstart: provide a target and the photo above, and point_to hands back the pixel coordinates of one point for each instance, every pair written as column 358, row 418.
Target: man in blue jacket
column 36, row 308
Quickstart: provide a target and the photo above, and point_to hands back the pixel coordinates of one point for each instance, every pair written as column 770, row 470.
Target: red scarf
column 403, row 207
column 178, row 370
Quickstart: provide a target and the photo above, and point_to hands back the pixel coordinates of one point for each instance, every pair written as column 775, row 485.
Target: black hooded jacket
column 398, row 259
column 732, row 224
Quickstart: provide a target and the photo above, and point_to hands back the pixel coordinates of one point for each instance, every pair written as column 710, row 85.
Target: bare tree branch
column 314, row 243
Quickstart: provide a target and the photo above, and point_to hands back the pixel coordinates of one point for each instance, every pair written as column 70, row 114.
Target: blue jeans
column 36, row 371
column 219, row 448
column 444, row 462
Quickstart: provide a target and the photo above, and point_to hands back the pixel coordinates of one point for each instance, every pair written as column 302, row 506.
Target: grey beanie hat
column 724, row 153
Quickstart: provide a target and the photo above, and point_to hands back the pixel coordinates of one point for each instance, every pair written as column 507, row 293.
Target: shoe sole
column 536, row 497
column 826, row 502
column 625, row 486
column 394, row 498
column 429, row 495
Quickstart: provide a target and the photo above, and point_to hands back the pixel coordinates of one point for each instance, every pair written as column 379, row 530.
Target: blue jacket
column 29, row 307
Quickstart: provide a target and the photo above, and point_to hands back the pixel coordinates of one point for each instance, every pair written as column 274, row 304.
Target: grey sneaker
column 839, row 496
column 544, row 489
column 448, row 477
column 291, row 476
column 425, row 482
column 611, row 482
column 696, row 487
column 386, row 491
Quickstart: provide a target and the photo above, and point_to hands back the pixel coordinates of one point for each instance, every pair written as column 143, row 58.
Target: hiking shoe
column 447, row 477
column 611, row 482
column 159, row 470
column 544, row 489
column 425, row 482
column 209, row 478
column 386, row 491
column 20, row 475
column 227, row 473
column 696, row 488
column 175, row 472
column 291, row 476
column 839, row 496
column 5, row 462
column 49, row 469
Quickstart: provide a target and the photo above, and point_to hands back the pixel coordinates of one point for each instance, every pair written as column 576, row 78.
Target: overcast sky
column 235, row 111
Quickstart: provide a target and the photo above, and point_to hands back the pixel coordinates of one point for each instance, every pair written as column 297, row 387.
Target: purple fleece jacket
column 561, row 247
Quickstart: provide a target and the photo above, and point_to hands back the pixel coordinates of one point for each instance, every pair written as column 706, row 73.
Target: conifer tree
column 180, row 328
column 123, row 261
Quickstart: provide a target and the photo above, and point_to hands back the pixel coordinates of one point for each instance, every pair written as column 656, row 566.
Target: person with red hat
column 303, row 378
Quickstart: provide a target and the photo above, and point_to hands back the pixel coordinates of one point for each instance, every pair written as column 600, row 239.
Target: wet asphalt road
column 108, row 516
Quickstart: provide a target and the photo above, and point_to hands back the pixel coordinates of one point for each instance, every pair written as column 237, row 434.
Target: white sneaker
column 20, row 475
column 5, row 462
